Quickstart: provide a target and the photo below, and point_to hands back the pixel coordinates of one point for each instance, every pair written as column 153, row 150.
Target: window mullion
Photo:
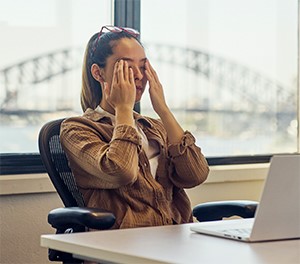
column 127, row 14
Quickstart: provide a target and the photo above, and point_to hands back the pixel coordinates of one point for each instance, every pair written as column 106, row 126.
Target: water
column 19, row 139
column 212, row 137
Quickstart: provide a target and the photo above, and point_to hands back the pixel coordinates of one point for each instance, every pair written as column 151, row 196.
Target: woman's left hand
column 174, row 130
column 155, row 90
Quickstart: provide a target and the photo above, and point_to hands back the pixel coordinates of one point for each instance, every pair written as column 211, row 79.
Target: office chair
column 75, row 217
column 212, row 211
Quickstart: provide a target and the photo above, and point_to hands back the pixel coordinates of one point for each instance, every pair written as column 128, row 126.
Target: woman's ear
column 97, row 73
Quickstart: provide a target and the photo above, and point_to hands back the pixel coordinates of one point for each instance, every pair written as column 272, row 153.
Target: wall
column 245, row 190
column 26, row 200
column 23, row 220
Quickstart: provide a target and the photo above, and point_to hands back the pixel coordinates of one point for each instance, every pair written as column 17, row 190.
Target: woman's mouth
column 139, row 88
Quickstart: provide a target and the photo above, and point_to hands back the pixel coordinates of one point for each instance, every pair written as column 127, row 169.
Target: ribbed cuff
column 176, row 150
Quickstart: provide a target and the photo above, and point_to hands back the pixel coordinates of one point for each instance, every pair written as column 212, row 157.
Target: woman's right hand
column 121, row 94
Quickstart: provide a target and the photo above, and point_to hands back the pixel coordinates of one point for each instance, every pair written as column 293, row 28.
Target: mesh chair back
column 56, row 164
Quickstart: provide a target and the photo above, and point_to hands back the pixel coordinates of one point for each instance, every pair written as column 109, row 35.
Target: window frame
column 31, row 163
column 127, row 13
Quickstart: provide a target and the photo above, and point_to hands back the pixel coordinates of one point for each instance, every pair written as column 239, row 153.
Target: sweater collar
column 99, row 114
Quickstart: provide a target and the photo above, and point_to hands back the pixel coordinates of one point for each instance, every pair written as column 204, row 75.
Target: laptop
column 277, row 216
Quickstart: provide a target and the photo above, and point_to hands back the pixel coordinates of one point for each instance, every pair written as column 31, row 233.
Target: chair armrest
column 63, row 218
column 212, row 211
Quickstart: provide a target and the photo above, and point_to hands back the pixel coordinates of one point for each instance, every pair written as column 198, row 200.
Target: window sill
column 238, row 173
column 40, row 183
column 25, row 183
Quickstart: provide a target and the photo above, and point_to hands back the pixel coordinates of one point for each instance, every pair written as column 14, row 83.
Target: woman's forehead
column 128, row 48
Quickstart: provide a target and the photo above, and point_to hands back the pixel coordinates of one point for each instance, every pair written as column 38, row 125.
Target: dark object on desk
column 75, row 217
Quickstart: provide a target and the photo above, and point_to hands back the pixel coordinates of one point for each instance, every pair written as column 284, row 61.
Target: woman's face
column 128, row 49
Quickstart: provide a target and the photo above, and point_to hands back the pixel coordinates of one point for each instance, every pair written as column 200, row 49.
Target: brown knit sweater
column 113, row 173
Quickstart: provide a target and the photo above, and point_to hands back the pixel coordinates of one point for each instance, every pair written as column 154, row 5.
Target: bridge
column 253, row 92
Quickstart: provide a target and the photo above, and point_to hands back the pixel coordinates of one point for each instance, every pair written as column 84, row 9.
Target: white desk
column 170, row 244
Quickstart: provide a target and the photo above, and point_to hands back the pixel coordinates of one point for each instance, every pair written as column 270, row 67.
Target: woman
column 129, row 164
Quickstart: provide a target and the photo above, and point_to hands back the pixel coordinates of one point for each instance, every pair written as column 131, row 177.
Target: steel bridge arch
column 36, row 70
column 255, row 88
column 260, row 91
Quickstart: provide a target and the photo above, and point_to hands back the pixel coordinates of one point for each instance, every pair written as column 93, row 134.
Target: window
column 42, row 47
column 229, row 70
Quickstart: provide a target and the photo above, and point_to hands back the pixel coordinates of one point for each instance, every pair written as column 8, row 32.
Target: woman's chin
column 138, row 96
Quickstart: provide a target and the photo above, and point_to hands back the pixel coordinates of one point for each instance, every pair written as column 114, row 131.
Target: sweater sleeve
column 100, row 163
column 188, row 166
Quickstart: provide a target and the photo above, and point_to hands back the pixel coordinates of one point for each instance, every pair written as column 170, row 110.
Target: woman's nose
column 138, row 75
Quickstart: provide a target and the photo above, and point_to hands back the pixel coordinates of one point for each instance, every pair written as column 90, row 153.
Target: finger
column 131, row 76
column 152, row 71
column 115, row 74
column 126, row 70
column 120, row 71
column 148, row 71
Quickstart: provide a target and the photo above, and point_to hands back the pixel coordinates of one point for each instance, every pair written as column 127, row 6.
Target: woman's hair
column 97, row 51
